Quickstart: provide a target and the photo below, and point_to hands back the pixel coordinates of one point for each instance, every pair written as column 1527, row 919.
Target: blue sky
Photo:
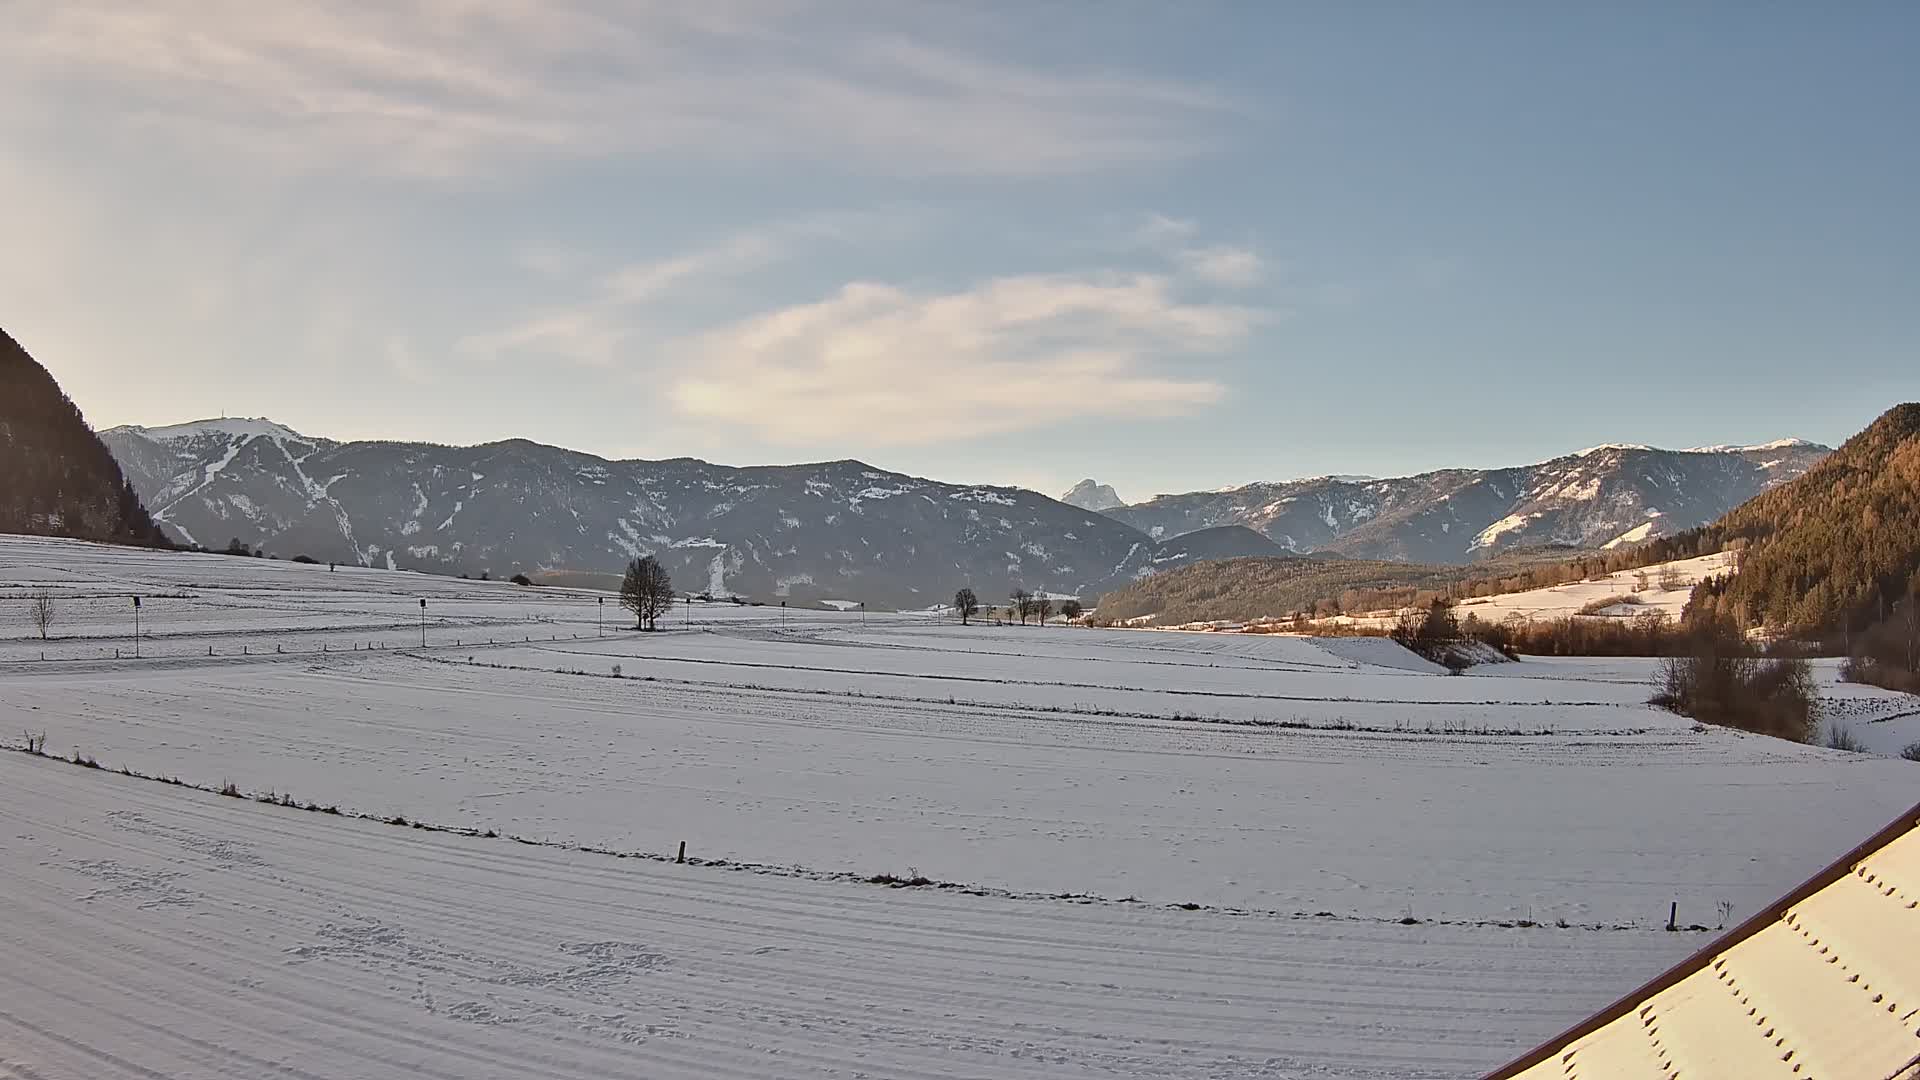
column 1169, row 246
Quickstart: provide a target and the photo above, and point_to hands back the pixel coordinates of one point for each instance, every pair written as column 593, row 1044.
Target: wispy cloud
column 453, row 87
column 1162, row 233
column 1227, row 265
column 1235, row 267
column 406, row 364
column 904, row 367
column 594, row 329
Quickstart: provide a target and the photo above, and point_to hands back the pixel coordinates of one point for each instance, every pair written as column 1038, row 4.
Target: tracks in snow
column 224, row 938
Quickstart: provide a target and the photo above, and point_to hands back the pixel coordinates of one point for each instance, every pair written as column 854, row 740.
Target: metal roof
column 1823, row 984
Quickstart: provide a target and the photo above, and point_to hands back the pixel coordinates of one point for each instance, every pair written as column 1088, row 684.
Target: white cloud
column 456, row 87
column 1235, row 267
column 900, row 367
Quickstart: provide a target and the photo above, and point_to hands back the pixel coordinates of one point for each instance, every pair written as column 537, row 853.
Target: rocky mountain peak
column 1091, row 495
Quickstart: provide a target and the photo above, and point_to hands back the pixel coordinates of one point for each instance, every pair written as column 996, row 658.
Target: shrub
column 1428, row 632
column 1596, row 607
column 1650, row 633
column 307, row 560
column 1853, row 669
column 1718, row 681
column 1836, row 737
column 1912, row 752
column 521, row 579
column 1873, row 672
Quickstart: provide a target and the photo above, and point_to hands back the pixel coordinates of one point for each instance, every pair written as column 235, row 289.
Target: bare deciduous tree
column 967, row 604
column 1022, row 602
column 40, row 612
column 1043, row 607
column 1071, row 610
column 647, row 591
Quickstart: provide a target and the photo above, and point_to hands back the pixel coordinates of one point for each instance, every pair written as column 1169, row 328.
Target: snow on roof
column 1826, row 982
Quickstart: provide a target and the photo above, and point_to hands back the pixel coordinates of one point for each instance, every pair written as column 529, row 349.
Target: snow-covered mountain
column 846, row 530
column 1599, row 497
column 834, row 530
column 1089, row 495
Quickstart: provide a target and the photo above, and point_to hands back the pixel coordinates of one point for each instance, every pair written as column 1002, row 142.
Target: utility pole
column 603, row 616
column 863, row 614
column 423, row 622
column 689, row 611
column 136, row 628
column 783, row 614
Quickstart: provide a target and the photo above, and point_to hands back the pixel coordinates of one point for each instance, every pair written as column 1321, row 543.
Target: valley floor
column 154, row 931
column 1167, row 854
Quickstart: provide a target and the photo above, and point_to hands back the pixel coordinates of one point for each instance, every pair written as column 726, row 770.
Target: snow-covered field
column 1168, row 854
column 1665, row 588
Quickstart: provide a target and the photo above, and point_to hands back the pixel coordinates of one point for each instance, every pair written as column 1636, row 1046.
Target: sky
column 1170, row 246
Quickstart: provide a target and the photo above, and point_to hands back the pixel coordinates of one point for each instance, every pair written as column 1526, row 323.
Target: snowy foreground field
column 1176, row 855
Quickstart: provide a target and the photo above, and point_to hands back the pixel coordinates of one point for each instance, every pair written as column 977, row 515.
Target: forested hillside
column 1836, row 549
column 1243, row 589
column 56, row 476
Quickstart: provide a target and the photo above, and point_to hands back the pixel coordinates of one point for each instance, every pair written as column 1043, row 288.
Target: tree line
column 1021, row 604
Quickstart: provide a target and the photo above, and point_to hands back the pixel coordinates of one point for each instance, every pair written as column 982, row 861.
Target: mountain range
column 838, row 530
column 1601, row 497
column 1830, row 560
column 845, row 530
